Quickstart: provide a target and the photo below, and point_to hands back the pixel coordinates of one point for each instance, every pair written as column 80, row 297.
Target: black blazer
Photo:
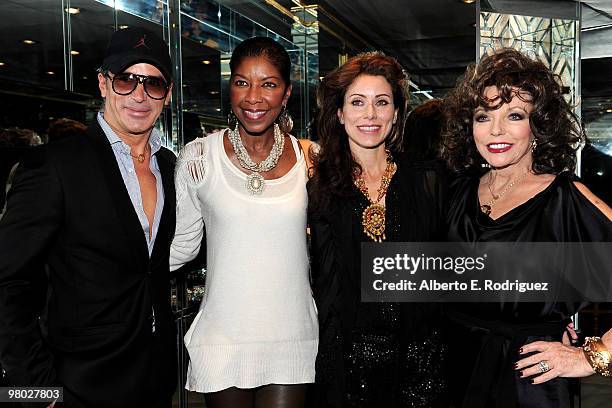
column 70, row 211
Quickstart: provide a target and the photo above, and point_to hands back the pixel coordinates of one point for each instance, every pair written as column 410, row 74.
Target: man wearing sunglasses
column 98, row 210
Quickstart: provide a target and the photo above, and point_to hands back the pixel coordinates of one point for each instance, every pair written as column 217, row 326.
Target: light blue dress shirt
column 128, row 172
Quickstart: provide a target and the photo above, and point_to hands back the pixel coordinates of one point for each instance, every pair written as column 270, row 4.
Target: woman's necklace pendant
column 255, row 183
column 373, row 221
column 486, row 208
column 373, row 217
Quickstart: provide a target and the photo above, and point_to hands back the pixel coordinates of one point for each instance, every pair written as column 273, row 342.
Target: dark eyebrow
column 262, row 79
column 521, row 108
column 376, row 96
column 487, row 109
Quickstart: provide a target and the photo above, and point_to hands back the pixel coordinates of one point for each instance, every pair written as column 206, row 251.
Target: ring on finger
column 544, row 367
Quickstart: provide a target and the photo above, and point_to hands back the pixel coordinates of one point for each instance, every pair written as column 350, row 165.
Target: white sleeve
column 190, row 174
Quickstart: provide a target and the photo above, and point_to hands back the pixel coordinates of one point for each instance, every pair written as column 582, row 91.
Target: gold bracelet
column 598, row 356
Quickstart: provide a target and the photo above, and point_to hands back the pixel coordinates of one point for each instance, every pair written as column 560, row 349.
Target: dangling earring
column 485, row 165
column 534, row 144
column 285, row 121
column 232, row 120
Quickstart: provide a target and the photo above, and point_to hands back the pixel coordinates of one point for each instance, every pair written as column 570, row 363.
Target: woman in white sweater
column 254, row 341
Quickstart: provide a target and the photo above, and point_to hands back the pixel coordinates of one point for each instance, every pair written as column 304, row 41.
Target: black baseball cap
column 133, row 45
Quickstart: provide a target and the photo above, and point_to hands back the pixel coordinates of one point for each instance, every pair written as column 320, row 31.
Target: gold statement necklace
column 486, row 208
column 373, row 217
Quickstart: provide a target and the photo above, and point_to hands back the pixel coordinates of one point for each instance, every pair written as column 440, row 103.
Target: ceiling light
column 206, row 62
column 213, row 92
column 218, row 109
column 50, row 73
column 29, row 42
column 2, row 64
column 468, row 1
column 72, row 10
column 74, row 52
column 123, row 26
column 609, row 110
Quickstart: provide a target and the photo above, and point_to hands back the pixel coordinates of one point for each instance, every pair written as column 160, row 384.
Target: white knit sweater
column 257, row 323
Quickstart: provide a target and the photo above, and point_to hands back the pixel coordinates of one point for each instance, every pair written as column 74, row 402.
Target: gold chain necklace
column 141, row 157
column 373, row 217
column 486, row 208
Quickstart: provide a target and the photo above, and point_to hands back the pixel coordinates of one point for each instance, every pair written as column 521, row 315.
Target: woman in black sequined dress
column 370, row 354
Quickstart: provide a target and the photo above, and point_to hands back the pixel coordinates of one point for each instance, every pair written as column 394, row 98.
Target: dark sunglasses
column 125, row 83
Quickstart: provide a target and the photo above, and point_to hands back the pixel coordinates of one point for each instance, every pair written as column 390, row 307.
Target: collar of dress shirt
column 154, row 139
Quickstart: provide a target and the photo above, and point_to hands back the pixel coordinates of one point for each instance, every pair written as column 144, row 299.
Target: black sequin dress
column 377, row 354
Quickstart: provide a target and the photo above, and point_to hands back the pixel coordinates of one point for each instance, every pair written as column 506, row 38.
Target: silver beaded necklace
column 255, row 181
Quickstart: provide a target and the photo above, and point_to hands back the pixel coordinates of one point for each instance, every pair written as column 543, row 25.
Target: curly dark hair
column 334, row 165
column 553, row 123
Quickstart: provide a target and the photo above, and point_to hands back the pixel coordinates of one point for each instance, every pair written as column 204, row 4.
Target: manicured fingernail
column 516, row 366
column 521, row 350
column 533, row 381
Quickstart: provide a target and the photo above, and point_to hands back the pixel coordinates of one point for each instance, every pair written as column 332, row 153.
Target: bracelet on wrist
column 598, row 356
